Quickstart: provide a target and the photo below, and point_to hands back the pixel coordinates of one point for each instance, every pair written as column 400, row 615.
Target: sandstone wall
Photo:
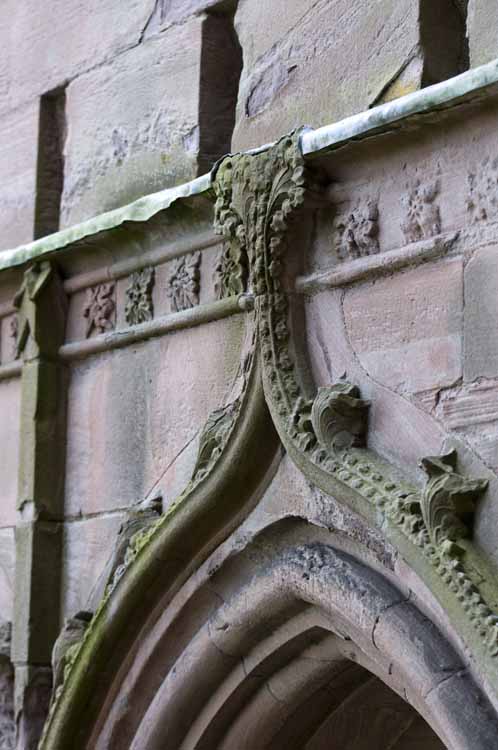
column 102, row 102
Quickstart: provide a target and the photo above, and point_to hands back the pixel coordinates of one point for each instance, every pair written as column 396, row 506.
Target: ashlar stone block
column 129, row 130
column 50, row 43
column 18, row 166
column 482, row 31
column 481, row 308
column 406, row 330
column 10, row 404
column 312, row 63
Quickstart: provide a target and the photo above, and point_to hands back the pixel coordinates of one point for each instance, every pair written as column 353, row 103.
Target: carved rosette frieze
column 358, row 232
column 139, row 306
column 422, row 214
column 230, row 271
column 100, row 308
column 183, row 285
column 258, row 196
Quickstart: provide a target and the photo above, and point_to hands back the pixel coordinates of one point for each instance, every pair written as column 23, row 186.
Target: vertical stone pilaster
column 41, row 308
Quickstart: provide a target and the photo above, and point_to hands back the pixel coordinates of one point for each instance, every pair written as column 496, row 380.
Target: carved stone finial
column 339, row 417
column 448, row 499
column 139, row 307
column 258, row 196
column 68, row 640
column 100, row 308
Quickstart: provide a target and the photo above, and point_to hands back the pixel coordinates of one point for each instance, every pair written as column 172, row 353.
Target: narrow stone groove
column 221, row 66
column 50, row 163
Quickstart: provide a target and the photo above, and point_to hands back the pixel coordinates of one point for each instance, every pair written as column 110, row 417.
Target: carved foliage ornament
column 448, row 500
column 339, row 417
column 359, row 232
column 214, row 437
column 139, row 307
column 100, row 308
column 184, row 282
column 230, row 272
column 423, row 219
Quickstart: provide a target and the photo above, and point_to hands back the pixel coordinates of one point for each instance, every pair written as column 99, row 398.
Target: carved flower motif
column 359, row 232
column 423, row 219
column 230, row 273
column 100, row 308
column 139, row 307
column 184, row 282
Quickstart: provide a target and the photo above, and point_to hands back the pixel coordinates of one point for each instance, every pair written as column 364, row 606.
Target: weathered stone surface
column 396, row 427
column 481, row 306
column 407, row 330
column 472, row 411
column 7, row 572
column 175, row 11
column 129, row 132
column 19, row 137
column 87, row 546
column 37, row 591
column 315, row 62
column 10, row 403
column 33, row 685
column 7, row 722
column 51, row 43
column 482, row 31
column 133, row 412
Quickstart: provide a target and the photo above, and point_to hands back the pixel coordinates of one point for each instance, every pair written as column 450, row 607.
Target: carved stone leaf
column 213, row 438
column 339, row 417
column 448, row 500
